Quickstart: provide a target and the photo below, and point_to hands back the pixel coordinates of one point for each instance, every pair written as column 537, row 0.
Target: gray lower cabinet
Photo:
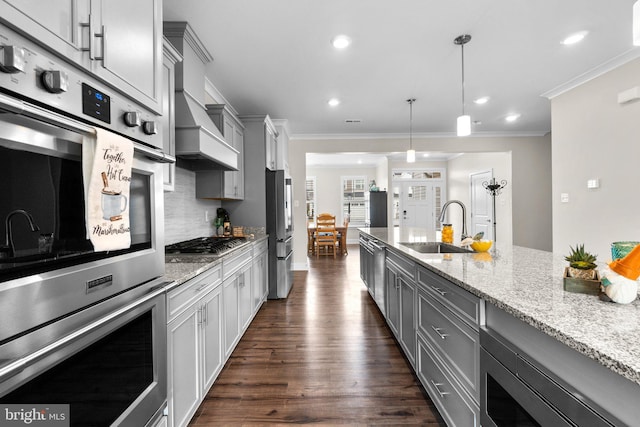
column 401, row 301
column 448, row 320
column 194, row 343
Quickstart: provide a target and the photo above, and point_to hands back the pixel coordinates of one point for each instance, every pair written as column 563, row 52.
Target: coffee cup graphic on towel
column 113, row 203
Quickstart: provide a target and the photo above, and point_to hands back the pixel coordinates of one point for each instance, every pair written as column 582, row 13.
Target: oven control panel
column 40, row 77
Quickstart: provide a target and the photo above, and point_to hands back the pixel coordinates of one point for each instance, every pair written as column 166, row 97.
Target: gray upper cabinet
column 118, row 41
column 219, row 184
column 168, row 127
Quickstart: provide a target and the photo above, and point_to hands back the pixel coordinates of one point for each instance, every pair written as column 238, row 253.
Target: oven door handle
column 16, row 366
column 30, row 110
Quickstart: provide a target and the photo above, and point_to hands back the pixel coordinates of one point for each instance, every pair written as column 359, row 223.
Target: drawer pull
column 437, row 331
column 440, row 291
column 437, row 387
column 201, row 287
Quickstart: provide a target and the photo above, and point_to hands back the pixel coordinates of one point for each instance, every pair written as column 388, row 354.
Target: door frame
column 489, row 235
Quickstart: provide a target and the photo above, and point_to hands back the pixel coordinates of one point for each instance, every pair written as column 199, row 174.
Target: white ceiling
column 275, row 57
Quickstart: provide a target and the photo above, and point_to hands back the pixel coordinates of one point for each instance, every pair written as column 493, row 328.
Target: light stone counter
column 527, row 283
column 180, row 268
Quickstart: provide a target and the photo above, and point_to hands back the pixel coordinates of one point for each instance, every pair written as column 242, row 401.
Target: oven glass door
column 42, row 201
column 114, row 373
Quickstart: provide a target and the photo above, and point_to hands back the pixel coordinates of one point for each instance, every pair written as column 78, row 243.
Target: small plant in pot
column 582, row 265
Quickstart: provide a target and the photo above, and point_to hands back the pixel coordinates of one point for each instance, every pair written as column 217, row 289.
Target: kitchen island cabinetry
column 194, row 342
column 118, row 41
column 448, row 362
column 578, row 352
column 220, row 184
column 401, row 299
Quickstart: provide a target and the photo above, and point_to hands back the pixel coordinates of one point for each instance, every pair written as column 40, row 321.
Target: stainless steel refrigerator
column 280, row 230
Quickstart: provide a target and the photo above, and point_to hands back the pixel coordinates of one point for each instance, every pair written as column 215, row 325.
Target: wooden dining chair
column 326, row 235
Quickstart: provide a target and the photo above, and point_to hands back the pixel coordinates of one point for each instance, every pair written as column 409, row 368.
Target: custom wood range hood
column 198, row 140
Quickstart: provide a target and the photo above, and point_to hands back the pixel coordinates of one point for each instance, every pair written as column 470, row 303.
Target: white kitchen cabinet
column 194, row 338
column 63, row 31
column 231, row 317
column 260, row 275
column 219, row 184
column 282, row 145
column 119, row 41
column 237, row 296
column 271, row 145
column 245, row 303
column 168, row 127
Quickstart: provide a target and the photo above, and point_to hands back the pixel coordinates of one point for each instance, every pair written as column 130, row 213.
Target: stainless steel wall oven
column 77, row 326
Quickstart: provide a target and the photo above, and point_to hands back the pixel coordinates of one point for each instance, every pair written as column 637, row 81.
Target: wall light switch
column 564, row 197
column 593, row 183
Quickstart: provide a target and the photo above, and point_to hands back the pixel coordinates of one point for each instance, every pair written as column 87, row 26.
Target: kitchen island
column 526, row 285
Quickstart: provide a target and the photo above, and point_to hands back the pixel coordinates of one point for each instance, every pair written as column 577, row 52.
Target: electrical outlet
column 206, row 216
column 564, row 197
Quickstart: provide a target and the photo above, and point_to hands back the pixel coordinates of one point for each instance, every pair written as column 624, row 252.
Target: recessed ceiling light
column 482, row 100
column 341, row 41
column 334, row 102
column 512, row 117
column 575, row 38
column 425, row 155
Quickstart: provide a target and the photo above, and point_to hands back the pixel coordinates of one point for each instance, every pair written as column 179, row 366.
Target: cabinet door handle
column 440, row 334
column 440, row 291
column 205, row 317
column 437, row 387
column 199, row 316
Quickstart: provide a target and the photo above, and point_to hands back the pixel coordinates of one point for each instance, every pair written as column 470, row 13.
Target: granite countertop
column 180, row 268
column 527, row 283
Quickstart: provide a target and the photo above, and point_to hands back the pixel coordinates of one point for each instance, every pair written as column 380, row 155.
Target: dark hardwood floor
column 322, row 356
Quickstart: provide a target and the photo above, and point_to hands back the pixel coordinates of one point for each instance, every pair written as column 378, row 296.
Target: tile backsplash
column 184, row 215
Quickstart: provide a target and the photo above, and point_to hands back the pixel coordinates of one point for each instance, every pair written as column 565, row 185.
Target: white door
column 481, row 207
column 416, row 205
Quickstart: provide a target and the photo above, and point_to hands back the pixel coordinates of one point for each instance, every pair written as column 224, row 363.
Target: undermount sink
column 434, row 247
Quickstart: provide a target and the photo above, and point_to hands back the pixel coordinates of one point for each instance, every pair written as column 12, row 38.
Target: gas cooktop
column 205, row 245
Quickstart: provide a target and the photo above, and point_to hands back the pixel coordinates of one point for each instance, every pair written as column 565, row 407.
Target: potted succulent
column 582, row 264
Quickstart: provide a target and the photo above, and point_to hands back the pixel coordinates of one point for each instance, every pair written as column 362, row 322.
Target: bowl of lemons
column 481, row 245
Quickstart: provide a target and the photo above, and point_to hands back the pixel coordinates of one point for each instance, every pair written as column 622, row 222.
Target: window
column 310, row 189
column 354, row 200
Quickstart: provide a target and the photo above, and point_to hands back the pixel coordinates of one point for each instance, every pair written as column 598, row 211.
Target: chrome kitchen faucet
column 8, row 250
column 464, row 216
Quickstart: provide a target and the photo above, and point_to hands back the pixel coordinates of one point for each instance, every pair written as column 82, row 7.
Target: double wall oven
column 78, row 328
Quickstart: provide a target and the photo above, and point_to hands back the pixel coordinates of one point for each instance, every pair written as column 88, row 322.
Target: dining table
column 342, row 238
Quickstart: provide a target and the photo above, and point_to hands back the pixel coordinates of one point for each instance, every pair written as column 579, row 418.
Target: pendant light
column 464, row 121
column 411, row 153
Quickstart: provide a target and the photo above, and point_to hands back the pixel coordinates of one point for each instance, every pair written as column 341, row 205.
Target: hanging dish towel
column 106, row 167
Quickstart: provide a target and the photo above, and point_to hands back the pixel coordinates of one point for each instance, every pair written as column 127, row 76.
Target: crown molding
column 597, row 71
column 426, row 135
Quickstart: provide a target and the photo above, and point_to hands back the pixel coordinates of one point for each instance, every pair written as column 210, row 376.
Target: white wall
column 531, row 179
column 459, row 171
column 594, row 137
